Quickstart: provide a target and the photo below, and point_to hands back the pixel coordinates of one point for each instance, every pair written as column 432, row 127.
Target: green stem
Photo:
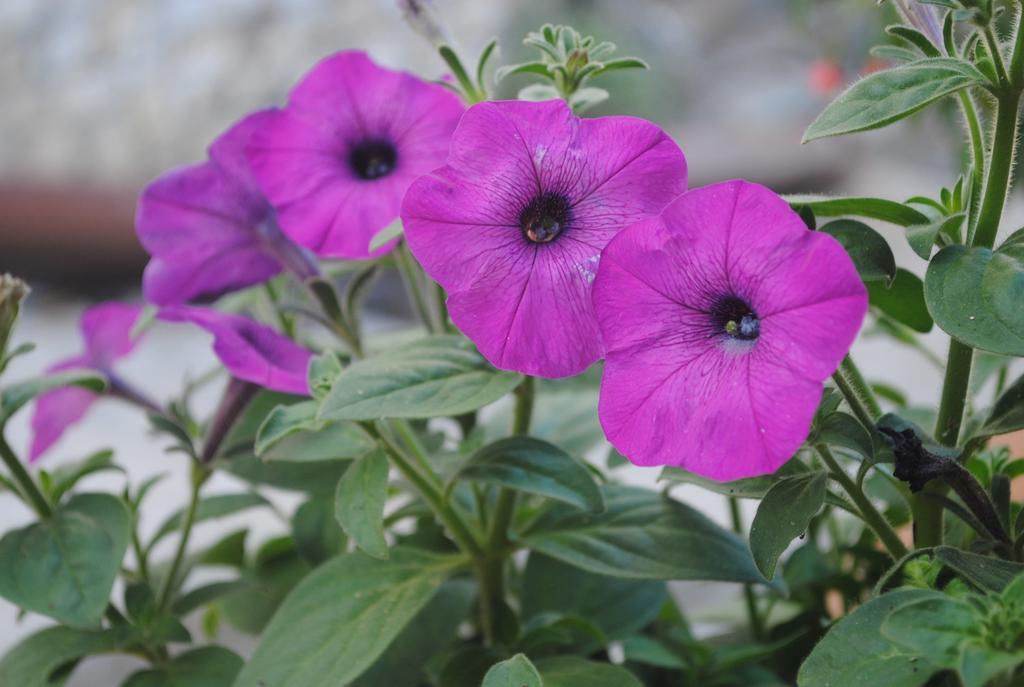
column 753, row 614
column 857, row 392
column 927, row 512
column 199, row 477
column 1017, row 59
column 140, row 554
column 29, row 489
column 440, row 300
column 492, row 567
column 997, row 55
column 970, row 113
column 413, row 286
column 433, row 496
column 286, row 322
column 412, row 442
column 868, row 513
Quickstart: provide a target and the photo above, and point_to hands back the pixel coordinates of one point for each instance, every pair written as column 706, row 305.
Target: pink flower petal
column 526, row 302
column 679, row 387
column 307, row 157
column 249, row 350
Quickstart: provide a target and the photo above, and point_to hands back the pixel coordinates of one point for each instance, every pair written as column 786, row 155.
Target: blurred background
column 103, row 95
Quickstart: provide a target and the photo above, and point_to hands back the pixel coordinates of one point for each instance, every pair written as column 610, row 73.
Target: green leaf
column 975, row 295
column 585, row 98
column 274, row 574
column 35, row 660
column 1008, row 413
column 618, row 607
column 869, row 251
column 872, row 208
column 432, row 377
column 210, row 508
column 208, row 666
column 293, row 433
column 517, row 671
column 845, row 431
column 747, row 488
column 903, row 301
column 342, row 617
column 432, row 630
column 921, row 237
column 536, row 467
column 201, row 596
column 891, row 95
column 980, row 663
column 386, row 235
column 783, row 515
column 317, row 477
column 537, row 68
column 622, row 63
column 324, row 368
column 933, row 628
column 316, row 531
column 985, row 572
column 65, row 566
column 573, row 671
column 854, row 653
column 359, row 503
column 15, row 396
column 642, row 535
column 67, row 476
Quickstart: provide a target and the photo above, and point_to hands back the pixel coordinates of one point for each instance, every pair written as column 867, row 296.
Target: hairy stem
column 857, row 393
column 927, row 512
column 414, row 286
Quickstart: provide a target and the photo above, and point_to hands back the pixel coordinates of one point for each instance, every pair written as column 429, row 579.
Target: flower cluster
column 560, row 242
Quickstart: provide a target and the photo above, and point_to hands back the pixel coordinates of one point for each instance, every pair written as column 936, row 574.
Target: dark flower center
column 732, row 316
column 373, row 158
column 545, row 217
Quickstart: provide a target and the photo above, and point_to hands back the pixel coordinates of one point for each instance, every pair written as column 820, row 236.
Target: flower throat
column 545, row 217
column 373, row 158
column 734, row 318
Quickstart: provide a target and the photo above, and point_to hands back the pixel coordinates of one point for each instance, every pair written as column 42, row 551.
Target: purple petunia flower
column 107, row 334
column 210, row 230
column 721, row 318
column 514, row 224
column 336, row 162
column 251, row 351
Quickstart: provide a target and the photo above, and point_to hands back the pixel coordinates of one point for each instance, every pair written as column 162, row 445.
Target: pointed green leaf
column 359, row 503
column 207, row 666
column 386, row 235
column 338, row 620
column 975, row 295
column 921, row 237
column 891, row 95
column 783, row 515
column 642, row 535
column 992, row 574
column 534, row 466
column 903, row 300
column 15, row 396
column 573, row 671
column 854, row 653
column 432, row 377
column 65, row 566
column 517, row 671
column 35, row 660
column 869, row 251
column 872, row 208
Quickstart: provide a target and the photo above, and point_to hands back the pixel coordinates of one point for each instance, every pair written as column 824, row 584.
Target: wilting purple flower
column 336, row 162
column 514, row 224
column 251, row 351
column 721, row 318
column 107, row 334
column 209, row 228
column 922, row 17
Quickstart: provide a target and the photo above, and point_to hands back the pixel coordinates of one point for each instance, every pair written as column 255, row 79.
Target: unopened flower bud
column 12, row 292
column 423, row 17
